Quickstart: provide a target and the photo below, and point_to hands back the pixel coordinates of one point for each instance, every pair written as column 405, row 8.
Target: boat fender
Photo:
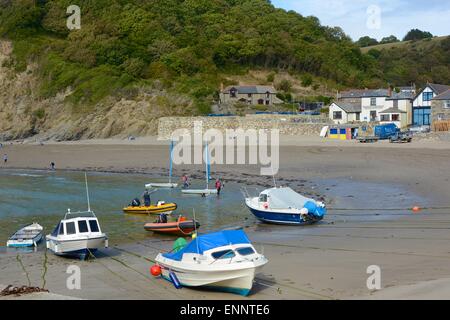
column 266, row 205
column 311, row 206
column 174, row 280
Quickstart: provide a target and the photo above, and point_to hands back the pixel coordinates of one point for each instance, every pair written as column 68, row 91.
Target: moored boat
column 78, row 234
column 285, row 206
column 28, row 236
column 160, row 207
column 181, row 227
column 224, row 261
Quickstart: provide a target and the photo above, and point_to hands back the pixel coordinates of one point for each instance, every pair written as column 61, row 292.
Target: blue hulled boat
column 285, row 206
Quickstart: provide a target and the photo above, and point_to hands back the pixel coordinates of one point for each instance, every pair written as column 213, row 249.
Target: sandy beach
column 325, row 261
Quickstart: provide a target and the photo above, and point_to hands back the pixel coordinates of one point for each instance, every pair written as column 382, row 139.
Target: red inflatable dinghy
column 181, row 227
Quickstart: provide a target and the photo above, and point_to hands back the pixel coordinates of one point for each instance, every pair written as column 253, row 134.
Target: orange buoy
column 416, row 209
column 155, row 270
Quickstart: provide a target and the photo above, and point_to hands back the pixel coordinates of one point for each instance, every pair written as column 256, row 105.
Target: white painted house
column 345, row 112
column 371, row 102
column 422, row 103
column 379, row 105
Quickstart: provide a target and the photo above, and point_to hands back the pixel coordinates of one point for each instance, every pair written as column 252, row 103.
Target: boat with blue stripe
column 285, row 206
column 28, row 236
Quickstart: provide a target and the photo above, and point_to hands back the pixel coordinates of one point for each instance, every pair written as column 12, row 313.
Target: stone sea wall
column 298, row 125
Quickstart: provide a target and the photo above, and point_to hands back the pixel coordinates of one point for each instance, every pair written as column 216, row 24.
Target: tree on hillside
column 416, row 34
column 390, row 39
column 366, row 42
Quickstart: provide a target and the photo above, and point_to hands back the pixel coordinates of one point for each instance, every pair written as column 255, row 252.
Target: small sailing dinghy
column 224, row 261
column 28, row 236
column 285, row 206
column 182, row 227
column 168, row 185
column 207, row 191
column 78, row 234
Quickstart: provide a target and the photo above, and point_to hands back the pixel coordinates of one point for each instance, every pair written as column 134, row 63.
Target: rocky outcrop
column 24, row 114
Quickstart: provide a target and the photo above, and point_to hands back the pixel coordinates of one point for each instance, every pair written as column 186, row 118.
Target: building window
column 337, row 115
column 373, row 101
column 249, row 95
column 373, row 116
column 447, row 104
column 385, row 117
column 441, row 116
column 267, row 102
column 427, row 96
column 358, row 116
column 233, row 93
column 395, row 117
column 260, row 101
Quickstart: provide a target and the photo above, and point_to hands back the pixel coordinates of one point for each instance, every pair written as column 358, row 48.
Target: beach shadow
column 263, row 283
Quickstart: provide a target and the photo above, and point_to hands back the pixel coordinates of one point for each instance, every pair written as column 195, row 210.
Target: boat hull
column 238, row 281
column 80, row 248
column 200, row 192
column 281, row 218
column 184, row 228
column 162, row 185
column 165, row 208
column 25, row 243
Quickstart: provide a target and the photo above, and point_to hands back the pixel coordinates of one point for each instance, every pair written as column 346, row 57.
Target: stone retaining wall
column 287, row 124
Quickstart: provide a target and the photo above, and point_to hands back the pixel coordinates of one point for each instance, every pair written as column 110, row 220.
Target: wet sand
column 325, row 261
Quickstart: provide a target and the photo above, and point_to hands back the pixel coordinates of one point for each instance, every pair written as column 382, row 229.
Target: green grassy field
column 388, row 46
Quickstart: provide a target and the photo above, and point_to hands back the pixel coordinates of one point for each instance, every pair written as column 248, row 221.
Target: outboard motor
column 136, row 202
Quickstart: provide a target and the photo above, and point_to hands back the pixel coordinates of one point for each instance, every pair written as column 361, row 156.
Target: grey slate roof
column 365, row 93
column 251, row 89
column 443, row 96
column 439, row 88
column 393, row 110
column 402, row 96
column 349, row 107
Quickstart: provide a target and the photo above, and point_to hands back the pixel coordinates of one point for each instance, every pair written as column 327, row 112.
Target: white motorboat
column 170, row 184
column 285, row 206
column 207, row 191
column 77, row 235
column 28, row 236
column 224, row 261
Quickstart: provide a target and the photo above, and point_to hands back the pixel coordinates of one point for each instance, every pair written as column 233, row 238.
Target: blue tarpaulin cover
column 210, row 241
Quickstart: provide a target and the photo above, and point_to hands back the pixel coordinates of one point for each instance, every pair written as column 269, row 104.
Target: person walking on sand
column 218, row 186
column 5, row 159
column 52, row 166
column 147, row 200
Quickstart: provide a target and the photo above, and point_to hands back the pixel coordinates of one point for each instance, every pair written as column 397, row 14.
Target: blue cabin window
column 245, row 251
column 225, row 254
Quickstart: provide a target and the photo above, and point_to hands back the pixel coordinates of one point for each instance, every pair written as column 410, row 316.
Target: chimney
column 390, row 91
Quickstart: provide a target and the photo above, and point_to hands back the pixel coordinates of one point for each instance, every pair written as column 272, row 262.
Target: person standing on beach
column 5, row 159
column 52, row 165
column 218, row 186
column 185, row 180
